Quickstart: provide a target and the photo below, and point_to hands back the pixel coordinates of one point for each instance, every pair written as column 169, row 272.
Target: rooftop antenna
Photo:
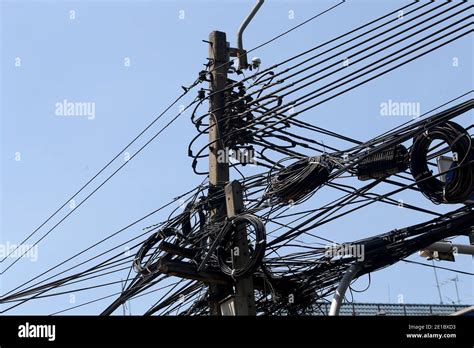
column 455, row 280
column 437, row 283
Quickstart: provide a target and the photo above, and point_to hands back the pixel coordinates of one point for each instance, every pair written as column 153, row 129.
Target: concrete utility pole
column 219, row 58
column 243, row 302
column 244, row 299
column 218, row 172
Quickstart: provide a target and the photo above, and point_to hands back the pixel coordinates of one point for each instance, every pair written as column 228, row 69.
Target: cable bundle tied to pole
column 459, row 183
column 256, row 252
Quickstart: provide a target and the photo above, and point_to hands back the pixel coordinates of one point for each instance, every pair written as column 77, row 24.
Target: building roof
column 404, row 309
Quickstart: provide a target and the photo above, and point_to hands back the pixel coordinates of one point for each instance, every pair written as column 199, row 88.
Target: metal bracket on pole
column 446, row 251
column 346, row 280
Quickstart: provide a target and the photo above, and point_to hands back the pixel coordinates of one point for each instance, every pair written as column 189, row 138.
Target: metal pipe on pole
column 346, row 280
column 242, row 54
column 446, row 247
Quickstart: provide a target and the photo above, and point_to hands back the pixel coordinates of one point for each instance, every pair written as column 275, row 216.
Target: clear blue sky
column 82, row 59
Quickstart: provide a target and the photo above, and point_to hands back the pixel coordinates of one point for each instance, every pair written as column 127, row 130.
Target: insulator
column 203, row 75
column 201, row 94
column 383, row 164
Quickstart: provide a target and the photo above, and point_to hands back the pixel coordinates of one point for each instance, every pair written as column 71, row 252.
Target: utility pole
column 244, row 299
column 218, row 170
column 230, row 202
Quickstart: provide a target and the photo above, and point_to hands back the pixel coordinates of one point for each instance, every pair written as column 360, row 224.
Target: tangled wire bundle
column 230, row 232
column 299, row 179
column 149, row 266
column 459, row 187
